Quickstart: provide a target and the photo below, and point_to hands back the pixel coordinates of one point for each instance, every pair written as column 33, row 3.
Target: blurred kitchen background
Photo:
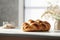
column 9, row 11
column 18, row 11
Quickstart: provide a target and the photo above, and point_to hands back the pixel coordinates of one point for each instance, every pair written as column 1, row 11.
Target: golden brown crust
column 25, row 26
column 36, row 26
column 47, row 25
column 31, row 21
column 39, row 21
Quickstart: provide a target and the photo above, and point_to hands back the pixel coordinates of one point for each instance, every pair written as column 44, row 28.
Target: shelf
column 19, row 31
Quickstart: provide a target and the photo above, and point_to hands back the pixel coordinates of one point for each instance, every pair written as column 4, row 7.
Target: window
column 35, row 8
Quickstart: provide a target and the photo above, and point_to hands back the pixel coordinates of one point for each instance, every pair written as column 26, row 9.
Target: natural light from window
column 35, row 8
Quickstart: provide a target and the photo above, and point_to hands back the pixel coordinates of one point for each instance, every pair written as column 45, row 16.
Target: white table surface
column 18, row 31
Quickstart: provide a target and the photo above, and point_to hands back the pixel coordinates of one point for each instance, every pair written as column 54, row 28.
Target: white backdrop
column 35, row 8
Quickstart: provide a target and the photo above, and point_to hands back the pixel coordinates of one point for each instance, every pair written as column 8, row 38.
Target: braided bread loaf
column 36, row 26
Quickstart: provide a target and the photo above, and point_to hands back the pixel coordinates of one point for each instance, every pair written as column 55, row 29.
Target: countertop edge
column 31, row 36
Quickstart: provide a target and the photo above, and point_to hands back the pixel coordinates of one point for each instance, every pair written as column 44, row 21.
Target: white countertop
column 18, row 31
